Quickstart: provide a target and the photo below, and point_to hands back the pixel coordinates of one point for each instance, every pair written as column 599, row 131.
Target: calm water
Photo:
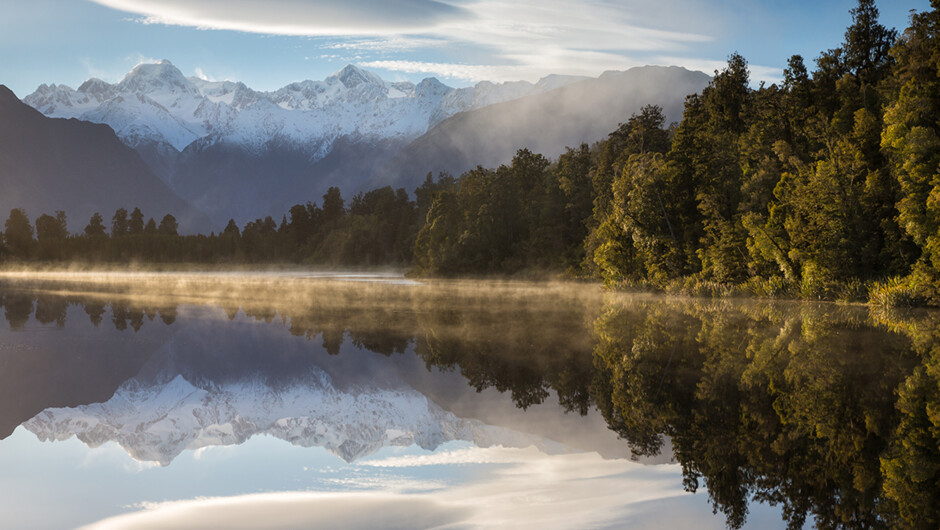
column 284, row 400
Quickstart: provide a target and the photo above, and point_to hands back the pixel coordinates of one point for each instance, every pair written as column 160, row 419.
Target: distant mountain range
column 157, row 104
column 78, row 167
column 234, row 152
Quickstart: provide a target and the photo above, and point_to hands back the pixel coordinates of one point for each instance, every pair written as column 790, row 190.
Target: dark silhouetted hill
column 51, row 164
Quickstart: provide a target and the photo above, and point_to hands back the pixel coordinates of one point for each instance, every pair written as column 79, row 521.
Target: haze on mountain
column 79, row 168
column 547, row 123
column 234, row 152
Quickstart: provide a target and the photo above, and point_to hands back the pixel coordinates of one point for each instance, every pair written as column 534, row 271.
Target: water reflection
column 827, row 411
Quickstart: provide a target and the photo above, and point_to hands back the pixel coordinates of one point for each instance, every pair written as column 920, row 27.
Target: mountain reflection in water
column 830, row 412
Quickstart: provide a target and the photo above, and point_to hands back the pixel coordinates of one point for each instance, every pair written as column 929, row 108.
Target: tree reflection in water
column 832, row 412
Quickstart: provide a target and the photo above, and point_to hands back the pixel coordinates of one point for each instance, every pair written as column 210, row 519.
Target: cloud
column 507, row 39
column 466, row 72
column 290, row 510
column 473, row 40
column 117, row 71
column 386, row 45
column 202, row 75
column 294, row 17
column 528, row 490
column 516, row 65
column 470, row 455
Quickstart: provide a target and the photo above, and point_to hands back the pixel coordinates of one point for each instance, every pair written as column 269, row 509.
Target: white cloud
column 531, row 490
column 384, row 484
column 467, row 72
column 385, row 45
column 115, row 72
column 289, row 510
column 202, row 75
column 140, row 59
column 473, row 40
column 294, row 17
column 470, row 455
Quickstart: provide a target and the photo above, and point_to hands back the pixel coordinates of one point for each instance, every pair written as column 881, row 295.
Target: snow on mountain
column 61, row 101
column 138, row 118
column 157, row 104
column 158, row 422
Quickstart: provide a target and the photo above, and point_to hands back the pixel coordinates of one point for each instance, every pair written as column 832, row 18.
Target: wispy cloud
column 529, row 490
column 466, row 72
column 294, row 17
column 385, row 45
column 470, row 455
column 472, row 40
column 116, row 71
column 290, row 510
column 202, row 75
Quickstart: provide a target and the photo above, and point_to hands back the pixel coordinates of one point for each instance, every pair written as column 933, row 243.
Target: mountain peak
column 431, row 86
column 93, row 86
column 351, row 76
column 150, row 72
column 161, row 80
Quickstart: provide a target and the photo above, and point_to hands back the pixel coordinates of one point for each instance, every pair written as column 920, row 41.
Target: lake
column 284, row 400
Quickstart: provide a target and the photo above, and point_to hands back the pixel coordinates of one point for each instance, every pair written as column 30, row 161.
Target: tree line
column 822, row 186
column 376, row 228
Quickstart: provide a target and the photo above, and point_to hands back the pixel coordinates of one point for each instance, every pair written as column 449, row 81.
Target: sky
column 266, row 480
column 268, row 44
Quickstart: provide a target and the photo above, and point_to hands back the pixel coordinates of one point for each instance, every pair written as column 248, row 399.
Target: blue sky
column 268, row 44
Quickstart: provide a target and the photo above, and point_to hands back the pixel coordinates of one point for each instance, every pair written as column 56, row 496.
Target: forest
column 824, row 186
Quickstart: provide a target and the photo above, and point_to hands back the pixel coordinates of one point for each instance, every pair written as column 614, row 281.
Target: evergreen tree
column 867, row 44
column 119, row 223
column 95, row 226
column 135, row 224
column 18, row 234
column 333, row 207
column 51, row 233
column 51, row 229
column 231, row 229
column 168, row 226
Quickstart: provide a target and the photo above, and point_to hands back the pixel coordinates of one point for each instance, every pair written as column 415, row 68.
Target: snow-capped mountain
column 158, row 422
column 238, row 153
column 156, row 103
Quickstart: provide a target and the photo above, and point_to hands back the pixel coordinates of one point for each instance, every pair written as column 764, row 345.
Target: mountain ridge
column 237, row 153
column 348, row 102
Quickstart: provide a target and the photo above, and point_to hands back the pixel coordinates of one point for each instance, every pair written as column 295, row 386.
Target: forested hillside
column 816, row 187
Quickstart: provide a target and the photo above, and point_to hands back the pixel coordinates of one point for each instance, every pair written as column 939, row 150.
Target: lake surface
column 371, row 401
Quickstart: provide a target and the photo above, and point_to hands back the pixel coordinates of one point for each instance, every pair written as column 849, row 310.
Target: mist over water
column 818, row 409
